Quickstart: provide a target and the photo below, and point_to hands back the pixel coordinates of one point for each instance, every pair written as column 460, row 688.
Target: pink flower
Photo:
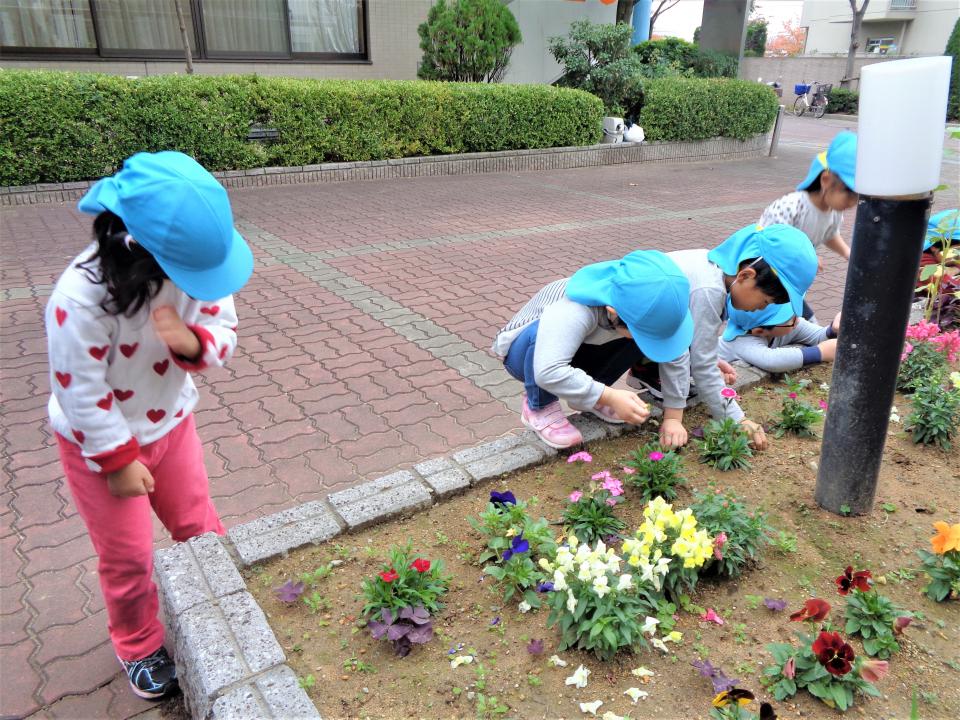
column 823, row 405
column 718, row 542
column 611, row 501
column 628, row 470
column 711, row 616
column 656, row 456
column 792, row 396
column 907, row 349
column 575, row 496
column 582, row 456
column 790, row 668
column 728, row 393
column 901, row 624
column 602, row 475
column 614, row 486
column 948, row 344
column 923, row 330
column 874, row 670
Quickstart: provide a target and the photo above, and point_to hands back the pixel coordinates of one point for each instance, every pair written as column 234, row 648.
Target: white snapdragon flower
column 571, row 601
column 579, row 677
column 524, row 606
column 625, row 582
column 591, row 707
column 601, row 586
column 642, row 673
column 649, row 625
column 461, row 660
column 635, row 694
column 556, row 661
column 559, row 581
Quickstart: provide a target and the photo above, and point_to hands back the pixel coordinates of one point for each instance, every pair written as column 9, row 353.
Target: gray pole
column 183, row 37
column 884, row 260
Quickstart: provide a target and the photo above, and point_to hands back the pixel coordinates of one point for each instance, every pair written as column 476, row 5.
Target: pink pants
column 122, row 533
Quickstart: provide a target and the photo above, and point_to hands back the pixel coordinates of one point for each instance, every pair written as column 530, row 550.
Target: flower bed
column 510, row 641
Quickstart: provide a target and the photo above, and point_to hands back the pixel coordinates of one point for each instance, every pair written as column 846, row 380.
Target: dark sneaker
column 152, row 677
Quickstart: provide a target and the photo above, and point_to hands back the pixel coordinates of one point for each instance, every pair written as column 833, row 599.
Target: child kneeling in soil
column 578, row 336
column 782, row 348
column 753, row 268
column 943, row 236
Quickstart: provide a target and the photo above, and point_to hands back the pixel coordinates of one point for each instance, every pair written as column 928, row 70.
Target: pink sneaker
column 551, row 425
column 606, row 414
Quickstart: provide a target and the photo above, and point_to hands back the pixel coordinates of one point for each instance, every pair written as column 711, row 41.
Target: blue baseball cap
column 944, row 225
column 650, row 294
column 840, row 159
column 181, row 215
column 784, row 248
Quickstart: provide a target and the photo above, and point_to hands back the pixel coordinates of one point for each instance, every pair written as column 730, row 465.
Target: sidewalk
column 363, row 347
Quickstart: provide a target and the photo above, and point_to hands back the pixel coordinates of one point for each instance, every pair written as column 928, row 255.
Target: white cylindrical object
column 903, row 109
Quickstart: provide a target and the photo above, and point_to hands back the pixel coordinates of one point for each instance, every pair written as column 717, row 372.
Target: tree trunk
column 625, row 10
column 854, row 40
column 184, row 38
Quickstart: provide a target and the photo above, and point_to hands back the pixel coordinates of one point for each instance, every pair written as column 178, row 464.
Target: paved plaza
column 363, row 348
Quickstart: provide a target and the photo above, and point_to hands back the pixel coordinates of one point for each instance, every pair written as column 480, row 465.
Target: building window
column 881, row 45
column 312, row 30
column 48, row 24
column 142, row 26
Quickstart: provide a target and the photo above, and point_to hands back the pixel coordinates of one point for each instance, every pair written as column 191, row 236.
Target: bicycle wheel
column 800, row 106
column 819, row 109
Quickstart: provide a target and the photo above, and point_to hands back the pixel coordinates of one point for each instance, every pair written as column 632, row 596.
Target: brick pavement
column 363, row 348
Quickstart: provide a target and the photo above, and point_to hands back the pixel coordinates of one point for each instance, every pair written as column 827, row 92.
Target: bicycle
column 821, row 91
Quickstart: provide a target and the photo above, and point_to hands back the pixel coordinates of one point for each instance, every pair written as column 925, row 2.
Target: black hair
column 815, row 185
column 767, row 281
column 131, row 274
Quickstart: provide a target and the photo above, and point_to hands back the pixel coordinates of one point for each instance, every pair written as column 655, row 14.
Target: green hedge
column 842, row 100
column 696, row 109
column 63, row 126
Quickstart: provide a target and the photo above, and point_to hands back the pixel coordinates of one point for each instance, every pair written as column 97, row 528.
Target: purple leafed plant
column 535, row 647
column 289, row 591
column 411, row 626
column 775, row 604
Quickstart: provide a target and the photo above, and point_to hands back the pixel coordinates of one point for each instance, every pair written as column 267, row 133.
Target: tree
column 625, row 10
column 854, row 39
column 467, row 41
column 756, row 41
column 188, row 56
column 789, row 41
column 953, row 50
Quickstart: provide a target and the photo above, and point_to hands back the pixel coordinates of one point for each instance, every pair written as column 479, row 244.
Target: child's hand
column 672, row 433
column 626, row 405
column 828, row 350
column 728, row 371
column 131, row 481
column 758, row 438
column 836, row 324
column 175, row 333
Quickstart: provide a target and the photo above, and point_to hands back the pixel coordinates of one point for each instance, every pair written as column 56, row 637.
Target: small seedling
column 316, row 602
column 740, row 633
column 490, row 707
column 307, row 682
column 440, row 538
column 534, row 680
column 356, row 665
column 753, row 601
column 844, row 509
column 341, row 550
column 785, row 542
column 888, row 507
column 745, row 668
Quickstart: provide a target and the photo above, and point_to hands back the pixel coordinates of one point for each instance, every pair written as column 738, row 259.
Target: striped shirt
column 528, row 313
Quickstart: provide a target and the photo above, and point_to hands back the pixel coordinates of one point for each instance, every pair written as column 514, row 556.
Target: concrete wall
column 792, row 70
column 394, row 53
column 540, row 20
column 921, row 31
column 724, row 26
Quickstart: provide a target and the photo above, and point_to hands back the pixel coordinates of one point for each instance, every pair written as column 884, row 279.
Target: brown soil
column 917, row 486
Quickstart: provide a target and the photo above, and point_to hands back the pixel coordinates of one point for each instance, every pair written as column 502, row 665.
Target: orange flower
column 947, row 537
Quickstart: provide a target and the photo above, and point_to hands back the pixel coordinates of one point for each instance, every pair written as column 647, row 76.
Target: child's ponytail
column 131, row 274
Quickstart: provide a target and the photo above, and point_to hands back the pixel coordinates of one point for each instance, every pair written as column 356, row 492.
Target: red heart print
column 223, row 351
column 129, row 350
column 78, row 435
column 64, row 379
column 161, row 367
column 179, row 413
column 156, row 416
column 105, row 402
column 234, row 328
column 123, row 395
column 211, row 311
column 61, row 316
column 99, row 353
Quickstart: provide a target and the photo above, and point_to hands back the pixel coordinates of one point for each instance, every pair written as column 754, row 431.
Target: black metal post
column 885, row 257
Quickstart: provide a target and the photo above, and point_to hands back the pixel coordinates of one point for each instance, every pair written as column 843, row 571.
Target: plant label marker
column 899, row 152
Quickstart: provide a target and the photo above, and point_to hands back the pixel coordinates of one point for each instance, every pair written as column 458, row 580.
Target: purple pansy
column 545, row 587
column 502, row 498
column 517, row 546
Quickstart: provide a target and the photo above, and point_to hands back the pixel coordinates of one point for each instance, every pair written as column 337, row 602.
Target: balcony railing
column 903, row 4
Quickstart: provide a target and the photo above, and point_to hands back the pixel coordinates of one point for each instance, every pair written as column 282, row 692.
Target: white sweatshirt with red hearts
column 116, row 385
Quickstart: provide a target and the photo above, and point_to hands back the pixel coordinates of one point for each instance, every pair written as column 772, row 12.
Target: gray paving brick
column 487, row 449
column 507, row 461
column 197, row 571
column 276, row 534
column 447, row 482
column 208, row 659
column 284, row 696
column 380, row 499
column 253, row 634
column 433, row 466
column 590, row 427
column 241, row 703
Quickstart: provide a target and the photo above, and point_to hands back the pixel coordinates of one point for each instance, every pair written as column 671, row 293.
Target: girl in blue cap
column 750, row 270
column 826, row 192
column 147, row 304
column 578, row 336
column 943, row 237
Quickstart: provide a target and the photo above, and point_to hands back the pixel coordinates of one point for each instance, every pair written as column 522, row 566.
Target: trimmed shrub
column 697, row 109
column 467, row 40
column 842, row 100
column 676, row 56
column 62, row 126
column 953, row 51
